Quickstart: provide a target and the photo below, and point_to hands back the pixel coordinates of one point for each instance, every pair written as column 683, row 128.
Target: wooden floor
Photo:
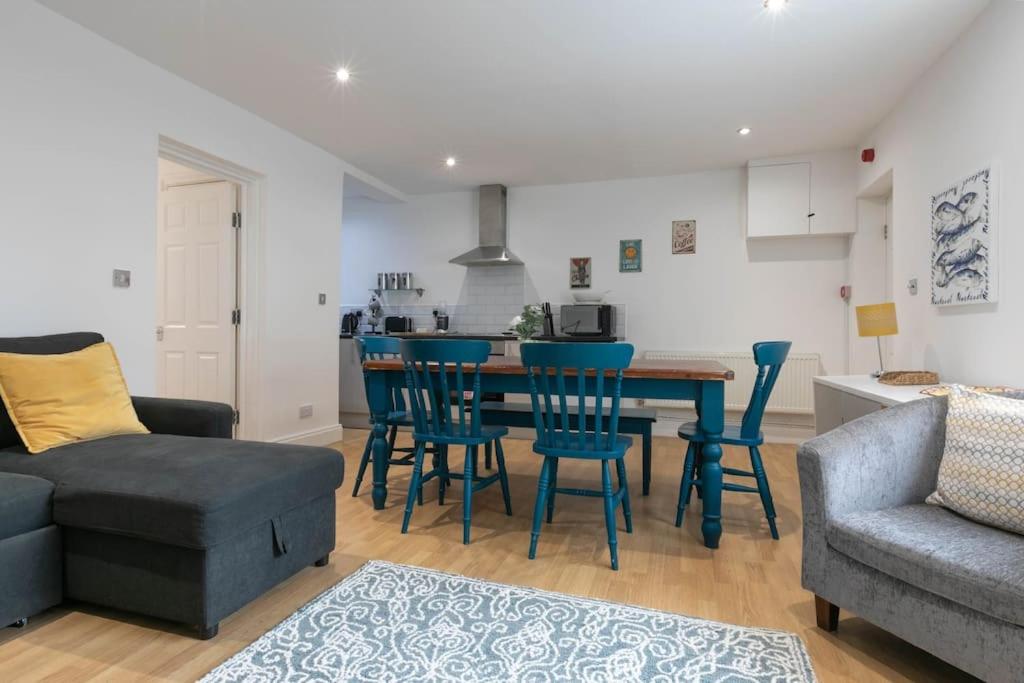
column 750, row 580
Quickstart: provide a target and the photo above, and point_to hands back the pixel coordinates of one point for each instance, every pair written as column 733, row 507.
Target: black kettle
column 350, row 322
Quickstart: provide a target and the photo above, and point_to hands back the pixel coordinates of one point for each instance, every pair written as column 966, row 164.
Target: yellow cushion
column 63, row 398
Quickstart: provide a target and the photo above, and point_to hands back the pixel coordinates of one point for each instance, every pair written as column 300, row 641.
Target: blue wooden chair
column 431, row 391
column 377, row 348
column 769, row 357
column 548, row 366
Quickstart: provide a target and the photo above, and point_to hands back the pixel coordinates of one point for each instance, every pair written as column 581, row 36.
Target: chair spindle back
column 436, row 370
column 380, row 348
column 596, row 370
column 769, row 357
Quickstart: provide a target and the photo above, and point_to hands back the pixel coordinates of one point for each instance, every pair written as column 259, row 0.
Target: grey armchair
column 872, row 546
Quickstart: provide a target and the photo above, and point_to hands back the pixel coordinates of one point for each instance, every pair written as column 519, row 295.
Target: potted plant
column 528, row 322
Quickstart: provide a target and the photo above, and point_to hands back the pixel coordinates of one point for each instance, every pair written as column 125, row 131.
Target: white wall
column 966, row 112
column 730, row 294
column 79, row 125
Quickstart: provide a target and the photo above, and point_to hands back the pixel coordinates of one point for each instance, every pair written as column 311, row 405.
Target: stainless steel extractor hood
column 493, row 226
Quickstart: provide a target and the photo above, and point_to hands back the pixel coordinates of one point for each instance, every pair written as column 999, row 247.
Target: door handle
column 160, row 333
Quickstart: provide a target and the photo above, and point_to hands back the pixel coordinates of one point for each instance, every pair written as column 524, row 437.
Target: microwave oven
column 587, row 320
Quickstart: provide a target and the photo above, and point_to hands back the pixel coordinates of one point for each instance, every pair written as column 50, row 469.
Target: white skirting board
column 324, row 436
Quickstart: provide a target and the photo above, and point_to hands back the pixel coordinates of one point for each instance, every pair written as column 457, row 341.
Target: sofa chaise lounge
column 185, row 523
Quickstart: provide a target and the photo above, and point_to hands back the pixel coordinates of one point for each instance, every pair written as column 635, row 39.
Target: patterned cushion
column 982, row 471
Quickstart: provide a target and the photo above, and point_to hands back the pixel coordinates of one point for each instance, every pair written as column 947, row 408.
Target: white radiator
column 793, row 393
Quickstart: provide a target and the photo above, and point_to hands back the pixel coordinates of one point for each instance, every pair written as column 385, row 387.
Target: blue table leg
column 378, row 398
column 712, row 420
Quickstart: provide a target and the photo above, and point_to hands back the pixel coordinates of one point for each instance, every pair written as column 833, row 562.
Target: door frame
column 252, row 187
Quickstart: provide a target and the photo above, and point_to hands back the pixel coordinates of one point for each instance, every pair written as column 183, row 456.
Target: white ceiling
column 530, row 92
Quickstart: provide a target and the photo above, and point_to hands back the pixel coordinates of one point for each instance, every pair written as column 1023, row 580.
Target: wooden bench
column 631, row 421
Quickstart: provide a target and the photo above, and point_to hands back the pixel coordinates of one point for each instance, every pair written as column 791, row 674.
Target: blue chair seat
column 730, row 435
column 400, row 418
column 487, row 434
column 566, row 445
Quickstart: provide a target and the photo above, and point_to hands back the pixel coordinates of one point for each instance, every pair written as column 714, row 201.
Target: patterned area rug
column 391, row 622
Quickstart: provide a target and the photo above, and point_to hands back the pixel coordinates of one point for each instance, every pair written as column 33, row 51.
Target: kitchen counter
column 489, row 337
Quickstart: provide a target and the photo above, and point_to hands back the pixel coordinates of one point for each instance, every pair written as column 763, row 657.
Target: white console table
column 841, row 398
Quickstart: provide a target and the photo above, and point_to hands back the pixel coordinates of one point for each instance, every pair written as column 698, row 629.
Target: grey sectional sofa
column 872, row 546
column 185, row 523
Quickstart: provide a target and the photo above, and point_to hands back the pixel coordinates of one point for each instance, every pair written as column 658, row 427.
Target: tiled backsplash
column 490, row 297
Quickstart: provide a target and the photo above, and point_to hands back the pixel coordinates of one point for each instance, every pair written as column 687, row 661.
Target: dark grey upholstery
column 30, row 551
column 185, row 418
column 185, row 491
column 944, row 583
column 183, row 524
column 25, row 504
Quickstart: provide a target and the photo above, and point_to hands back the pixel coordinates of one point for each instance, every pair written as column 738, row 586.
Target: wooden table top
column 640, row 368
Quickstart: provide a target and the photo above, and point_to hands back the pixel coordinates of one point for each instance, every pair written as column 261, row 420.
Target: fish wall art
column 963, row 243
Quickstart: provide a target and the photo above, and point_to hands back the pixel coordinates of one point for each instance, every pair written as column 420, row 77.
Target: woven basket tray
column 909, row 377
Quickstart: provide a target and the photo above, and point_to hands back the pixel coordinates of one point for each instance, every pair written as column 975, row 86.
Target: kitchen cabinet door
column 351, row 388
column 778, row 200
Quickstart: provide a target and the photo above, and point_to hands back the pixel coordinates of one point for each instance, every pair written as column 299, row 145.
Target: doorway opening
column 209, row 222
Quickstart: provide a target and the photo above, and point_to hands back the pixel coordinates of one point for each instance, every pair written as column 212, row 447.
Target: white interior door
column 196, row 292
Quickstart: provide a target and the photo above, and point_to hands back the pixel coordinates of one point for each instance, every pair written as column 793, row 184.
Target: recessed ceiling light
column 743, row 131
column 342, row 75
column 449, row 162
column 775, row 5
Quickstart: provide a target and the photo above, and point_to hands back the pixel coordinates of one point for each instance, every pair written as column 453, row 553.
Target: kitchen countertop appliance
column 397, row 323
column 587, row 320
column 350, row 322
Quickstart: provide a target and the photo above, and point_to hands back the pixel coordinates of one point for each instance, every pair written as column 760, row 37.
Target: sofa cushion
column 982, row 470
column 48, row 344
column 57, row 399
column 24, row 504
column 941, row 552
column 180, row 490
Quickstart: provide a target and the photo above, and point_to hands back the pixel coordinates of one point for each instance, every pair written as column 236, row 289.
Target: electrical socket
column 306, row 411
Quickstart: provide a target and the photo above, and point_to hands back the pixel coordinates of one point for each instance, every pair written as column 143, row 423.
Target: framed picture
column 963, row 242
column 684, row 237
column 630, row 256
column 579, row 272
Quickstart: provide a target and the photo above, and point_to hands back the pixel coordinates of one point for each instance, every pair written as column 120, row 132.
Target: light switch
column 322, row 298
column 912, row 286
column 122, row 278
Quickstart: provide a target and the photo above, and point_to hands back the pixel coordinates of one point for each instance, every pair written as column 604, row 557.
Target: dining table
column 700, row 381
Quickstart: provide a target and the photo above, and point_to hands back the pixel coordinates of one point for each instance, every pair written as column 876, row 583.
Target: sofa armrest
column 883, row 460
column 184, row 417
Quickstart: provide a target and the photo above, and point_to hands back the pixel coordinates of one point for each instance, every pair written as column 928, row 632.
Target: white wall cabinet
column 778, row 200
column 814, row 194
